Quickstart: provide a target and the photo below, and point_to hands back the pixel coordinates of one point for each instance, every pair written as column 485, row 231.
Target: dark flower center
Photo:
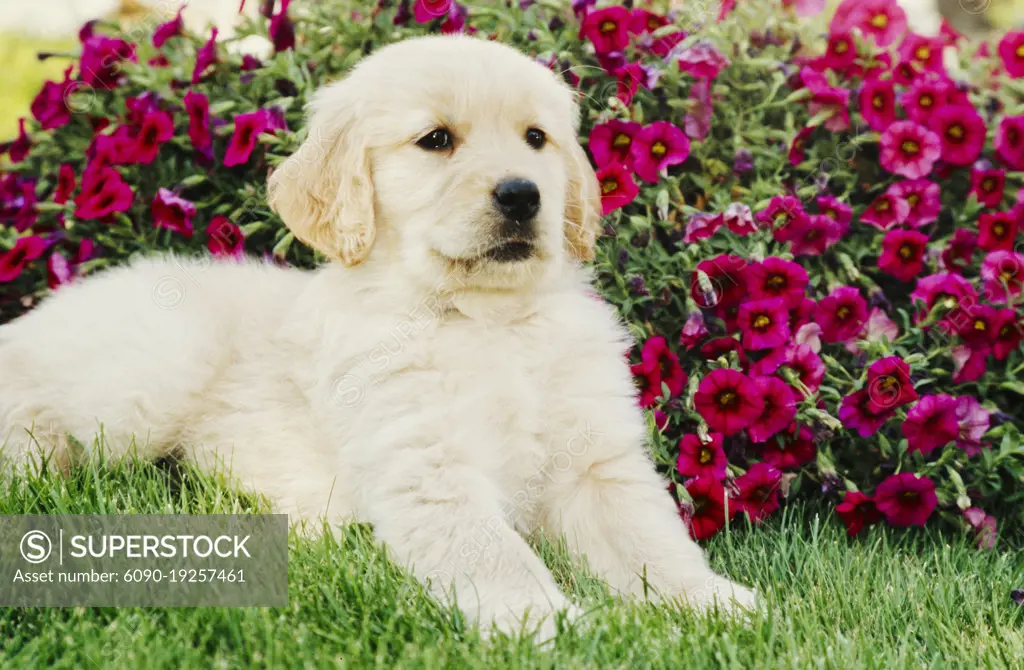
column 704, row 456
column 609, row 186
column 776, row 281
column 1012, row 137
column 887, row 382
column 880, row 21
column 658, row 149
column 843, row 313
column 727, row 399
column 1004, row 331
column 608, row 27
column 910, row 497
column 842, row 46
column 622, row 140
column 910, row 147
column 18, row 257
column 1020, row 51
column 988, row 184
column 878, row 102
column 923, row 53
column 926, row 100
column 955, row 132
column 906, row 251
column 762, row 321
column 980, row 325
column 883, row 206
column 999, row 230
column 913, row 199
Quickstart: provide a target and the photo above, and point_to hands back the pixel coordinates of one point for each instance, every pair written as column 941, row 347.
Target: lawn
column 889, row 599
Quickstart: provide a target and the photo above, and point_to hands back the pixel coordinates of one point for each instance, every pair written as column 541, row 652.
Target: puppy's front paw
column 729, row 597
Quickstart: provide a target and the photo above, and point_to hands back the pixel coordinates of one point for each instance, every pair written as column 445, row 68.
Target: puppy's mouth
column 509, row 251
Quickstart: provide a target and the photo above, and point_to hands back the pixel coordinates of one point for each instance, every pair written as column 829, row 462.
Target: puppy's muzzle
column 518, row 201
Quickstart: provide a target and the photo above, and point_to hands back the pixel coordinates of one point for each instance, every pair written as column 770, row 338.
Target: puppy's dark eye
column 536, row 138
column 439, row 139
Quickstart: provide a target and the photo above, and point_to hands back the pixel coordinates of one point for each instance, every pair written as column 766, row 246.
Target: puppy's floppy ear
column 582, row 205
column 323, row 192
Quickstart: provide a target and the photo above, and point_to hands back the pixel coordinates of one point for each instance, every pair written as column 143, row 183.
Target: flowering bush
column 814, row 241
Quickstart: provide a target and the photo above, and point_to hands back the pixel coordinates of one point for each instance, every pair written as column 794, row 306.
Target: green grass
column 888, row 600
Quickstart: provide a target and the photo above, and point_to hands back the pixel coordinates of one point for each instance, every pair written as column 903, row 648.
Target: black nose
column 517, row 199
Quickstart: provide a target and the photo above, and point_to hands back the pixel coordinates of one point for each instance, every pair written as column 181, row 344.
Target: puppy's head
column 453, row 158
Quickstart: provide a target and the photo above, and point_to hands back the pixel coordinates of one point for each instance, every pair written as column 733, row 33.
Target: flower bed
column 815, row 245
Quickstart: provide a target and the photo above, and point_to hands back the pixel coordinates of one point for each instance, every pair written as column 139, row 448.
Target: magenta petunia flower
column 886, row 211
column 1009, row 142
column 25, row 250
column 607, row 29
column 726, row 285
column 877, row 103
column 841, row 314
column 974, row 421
column 813, row 235
column 706, row 515
column 948, row 290
column 248, row 128
column 205, row 57
column 18, row 150
column 455, row 22
column 997, row 231
column 856, row 413
column 827, row 98
column 987, row 185
column 836, row 210
column 156, row 128
column 103, row 193
column 1003, row 275
column 840, row 52
column 857, row 511
column 166, row 31
column 970, row 362
column 610, row 142
column 881, row 20
column 657, row 147
column 764, row 323
column 798, row 148
column 1009, row 332
column 903, row 254
column 931, row 423
column 739, row 219
column 617, row 187
column 906, row 499
column 701, row 226
column 50, row 107
column 172, row 212
column 694, row 331
column 702, row 459
column 198, row 107
column 656, row 355
column 776, row 277
column 224, row 238
column 697, row 121
column 923, row 52
column 909, row 149
column 65, row 184
column 792, row 452
column 642, row 21
column 728, row 401
column 786, row 215
column 983, row 526
column 980, row 325
column 630, row 77
column 100, row 63
column 779, row 408
column 958, row 255
column 702, row 60
column 759, row 491
column 1011, row 51
column 648, row 382
column 282, row 31
column 961, row 131
column 924, row 97
column 889, row 385
column 922, row 198
column 18, row 202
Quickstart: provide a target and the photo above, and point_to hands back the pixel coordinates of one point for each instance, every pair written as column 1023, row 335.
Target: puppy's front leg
column 615, row 509
column 444, row 520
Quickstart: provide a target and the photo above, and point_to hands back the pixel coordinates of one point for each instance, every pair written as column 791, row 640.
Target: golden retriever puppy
column 451, row 378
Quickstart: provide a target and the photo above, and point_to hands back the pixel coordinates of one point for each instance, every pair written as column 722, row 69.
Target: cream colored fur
column 454, row 402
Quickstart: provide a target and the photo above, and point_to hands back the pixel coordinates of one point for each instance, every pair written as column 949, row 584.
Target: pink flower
column 157, row 127
column 656, row 356
column 50, row 106
column 973, row 421
column 807, row 365
column 886, row 211
column 791, row 452
column 630, row 77
column 778, row 278
column 841, row 314
column 20, row 147
column 18, row 202
column 1011, row 51
column 909, row 149
column 877, row 103
column 100, row 63
column 172, row 212
column 764, row 323
column 857, row 510
column 816, row 234
column 879, row 326
column 836, row 210
column 1009, row 142
column 840, row 53
column 694, row 331
column 931, row 423
column 224, row 238
column 987, row 185
column 925, row 96
column 923, row 52
column 707, row 513
column 950, row 291
column 906, row 499
column 1008, row 334
column 727, row 279
column 786, row 215
column 889, row 385
column 65, row 184
column 705, row 459
column 779, row 408
column 857, row 413
column 455, row 22
column 961, row 248
column 701, row 226
column 657, row 147
column 881, row 20
column 759, row 491
column 103, row 193
column 903, row 254
column 198, row 107
column 728, row 401
column 962, row 132
column 922, row 197
column 205, row 57
column 607, row 29
column 739, row 219
column 983, row 525
column 827, row 98
column 805, row 8
column 698, row 120
column 166, row 31
column 1003, row 275
column 248, row 128
column 797, row 150
column 282, row 30
column 702, row 60
column 997, row 231
column 25, row 250
column 617, row 187
column 611, row 142
column 643, row 21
